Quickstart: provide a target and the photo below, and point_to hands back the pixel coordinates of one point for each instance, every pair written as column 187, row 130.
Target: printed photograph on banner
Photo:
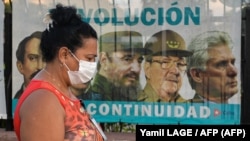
column 119, row 66
column 165, row 67
column 212, row 70
column 159, row 61
column 28, row 59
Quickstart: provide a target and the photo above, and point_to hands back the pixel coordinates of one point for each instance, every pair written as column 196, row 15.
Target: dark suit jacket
column 19, row 92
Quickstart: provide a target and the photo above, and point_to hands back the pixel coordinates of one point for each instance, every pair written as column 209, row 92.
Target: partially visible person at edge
column 29, row 59
column 211, row 70
column 165, row 67
column 119, row 66
column 47, row 110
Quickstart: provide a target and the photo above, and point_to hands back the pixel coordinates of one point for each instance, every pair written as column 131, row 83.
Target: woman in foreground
column 48, row 110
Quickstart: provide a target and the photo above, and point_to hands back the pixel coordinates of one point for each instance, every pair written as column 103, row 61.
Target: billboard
column 156, row 62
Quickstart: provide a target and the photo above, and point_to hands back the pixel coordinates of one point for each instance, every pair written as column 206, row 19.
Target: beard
column 125, row 93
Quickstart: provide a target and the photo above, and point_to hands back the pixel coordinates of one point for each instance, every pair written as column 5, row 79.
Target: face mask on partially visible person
column 84, row 74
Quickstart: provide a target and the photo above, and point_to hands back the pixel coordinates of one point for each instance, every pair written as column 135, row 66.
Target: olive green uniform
column 102, row 89
column 149, row 95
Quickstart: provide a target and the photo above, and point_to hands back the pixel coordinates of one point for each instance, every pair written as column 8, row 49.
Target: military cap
column 122, row 41
column 167, row 42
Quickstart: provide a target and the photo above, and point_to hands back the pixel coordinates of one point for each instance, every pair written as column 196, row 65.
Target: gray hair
column 200, row 45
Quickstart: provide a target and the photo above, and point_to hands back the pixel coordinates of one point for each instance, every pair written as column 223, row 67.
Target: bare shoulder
column 41, row 113
column 40, row 101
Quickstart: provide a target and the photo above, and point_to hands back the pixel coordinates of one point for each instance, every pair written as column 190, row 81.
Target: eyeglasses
column 182, row 66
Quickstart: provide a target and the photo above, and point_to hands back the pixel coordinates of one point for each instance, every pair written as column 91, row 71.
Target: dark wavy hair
column 22, row 45
column 66, row 29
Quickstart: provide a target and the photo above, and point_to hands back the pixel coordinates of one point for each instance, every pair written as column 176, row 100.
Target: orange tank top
column 78, row 125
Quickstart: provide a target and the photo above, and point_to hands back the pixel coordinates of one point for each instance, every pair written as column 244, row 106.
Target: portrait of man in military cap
column 117, row 79
column 120, row 57
column 165, row 67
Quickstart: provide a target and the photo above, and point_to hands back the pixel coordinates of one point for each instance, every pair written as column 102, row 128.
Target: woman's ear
column 63, row 54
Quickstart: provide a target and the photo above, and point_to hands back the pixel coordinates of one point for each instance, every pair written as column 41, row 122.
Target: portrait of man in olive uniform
column 120, row 57
column 165, row 67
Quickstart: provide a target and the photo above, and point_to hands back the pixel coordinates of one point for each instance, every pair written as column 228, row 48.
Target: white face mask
column 84, row 74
